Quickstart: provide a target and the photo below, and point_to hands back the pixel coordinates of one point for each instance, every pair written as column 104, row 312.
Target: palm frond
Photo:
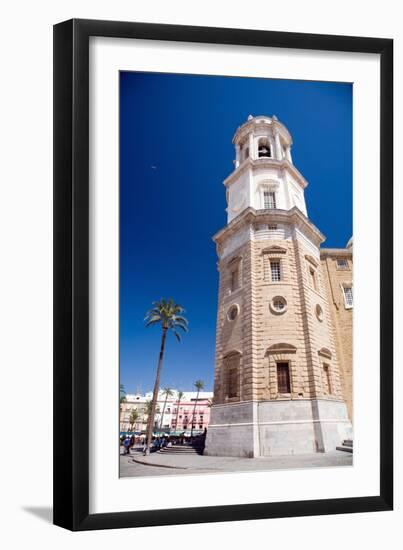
column 152, row 322
column 183, row 326
column 169, row 315
column 180, row 319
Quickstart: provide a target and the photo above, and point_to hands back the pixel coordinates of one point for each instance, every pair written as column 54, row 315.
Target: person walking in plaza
column 126, row 444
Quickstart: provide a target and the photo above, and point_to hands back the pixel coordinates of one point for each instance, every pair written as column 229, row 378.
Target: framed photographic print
column 223, row 274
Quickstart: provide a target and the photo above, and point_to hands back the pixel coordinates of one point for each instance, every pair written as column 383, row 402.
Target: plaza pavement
column 158, row 464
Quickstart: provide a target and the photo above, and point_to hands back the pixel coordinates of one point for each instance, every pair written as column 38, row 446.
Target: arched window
column 264, row 149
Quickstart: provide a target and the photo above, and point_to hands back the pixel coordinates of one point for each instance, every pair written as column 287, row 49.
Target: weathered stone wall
column 259, row 334
column 277, row 427
column 341, row 316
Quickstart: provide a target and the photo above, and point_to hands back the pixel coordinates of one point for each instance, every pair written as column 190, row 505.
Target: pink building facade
column 185, row 416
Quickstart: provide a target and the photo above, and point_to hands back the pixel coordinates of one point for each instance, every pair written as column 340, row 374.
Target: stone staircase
column 182, row 449
column 347, row 446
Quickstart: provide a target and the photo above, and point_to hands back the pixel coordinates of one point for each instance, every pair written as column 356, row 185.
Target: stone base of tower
column 273, row 428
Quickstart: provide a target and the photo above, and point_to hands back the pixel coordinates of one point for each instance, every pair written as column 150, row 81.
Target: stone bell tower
column 277, row 387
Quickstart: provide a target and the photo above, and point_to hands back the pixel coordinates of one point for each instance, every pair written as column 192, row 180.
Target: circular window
column 319, row 312
column 278, row 304
column 233, row 312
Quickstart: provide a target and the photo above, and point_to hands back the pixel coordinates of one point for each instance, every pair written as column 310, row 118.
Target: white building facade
column 172, row 414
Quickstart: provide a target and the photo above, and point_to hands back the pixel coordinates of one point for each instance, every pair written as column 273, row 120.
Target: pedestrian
column 126, row 444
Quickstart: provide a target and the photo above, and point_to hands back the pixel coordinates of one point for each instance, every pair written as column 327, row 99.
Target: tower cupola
column 264, row 176
column 262, row 137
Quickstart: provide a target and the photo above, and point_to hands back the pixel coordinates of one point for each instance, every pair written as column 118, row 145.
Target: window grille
column 342, row 263
column 348, row 296
column 269, row 199
column 283, row 378
column 275, row 270
column 279, row 303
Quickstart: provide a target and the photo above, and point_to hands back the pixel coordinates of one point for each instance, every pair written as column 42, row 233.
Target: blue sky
column 175, row 151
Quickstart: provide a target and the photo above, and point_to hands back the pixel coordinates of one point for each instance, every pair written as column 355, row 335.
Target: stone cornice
column 326, row 252
column 256, row 164
column 281, row 348
column 275, row 249
column 250, row 215
column 311, row 260
column 261, row 121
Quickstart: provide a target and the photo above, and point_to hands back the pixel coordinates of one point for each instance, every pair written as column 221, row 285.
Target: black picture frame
column 71, row 273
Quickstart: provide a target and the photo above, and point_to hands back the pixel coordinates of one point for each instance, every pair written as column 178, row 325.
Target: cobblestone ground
column 164, row 464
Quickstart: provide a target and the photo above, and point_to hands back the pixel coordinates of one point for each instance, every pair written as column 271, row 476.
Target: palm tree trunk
column 194, row 412
column 177, row 415
column 163, row 411
column 155, row 393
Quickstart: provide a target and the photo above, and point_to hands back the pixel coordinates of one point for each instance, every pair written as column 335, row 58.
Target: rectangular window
column 231, row 372
column 234, row 279
column 272, row 227
column 233, row 383
column 275, row 270
column 269, row 198
column 327, row 387
column 348, row 296
column 283, row 378
column 342, row 263
column 313, row 278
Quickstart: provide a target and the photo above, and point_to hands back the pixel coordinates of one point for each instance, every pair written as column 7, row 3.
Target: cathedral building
column 283, row 373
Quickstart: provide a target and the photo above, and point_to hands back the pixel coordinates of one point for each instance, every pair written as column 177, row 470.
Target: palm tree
column 134, row 416
column 169, row 316
column 179, row 397
column 147, row 409
column 168, row 392
column 199, row 385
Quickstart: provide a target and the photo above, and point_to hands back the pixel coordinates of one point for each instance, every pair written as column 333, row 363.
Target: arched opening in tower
column 264, row 148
